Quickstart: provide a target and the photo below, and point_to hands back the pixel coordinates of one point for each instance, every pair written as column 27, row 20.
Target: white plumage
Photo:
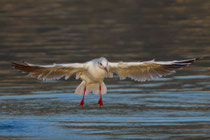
column 93, row 72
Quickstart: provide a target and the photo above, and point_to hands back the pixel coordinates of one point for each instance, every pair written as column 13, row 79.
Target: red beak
column 105, row 69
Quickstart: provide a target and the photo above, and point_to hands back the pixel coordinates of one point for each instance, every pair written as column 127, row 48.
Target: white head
column 103, row 64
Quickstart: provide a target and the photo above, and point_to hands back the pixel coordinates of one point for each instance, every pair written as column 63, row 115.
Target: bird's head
column 103, row 64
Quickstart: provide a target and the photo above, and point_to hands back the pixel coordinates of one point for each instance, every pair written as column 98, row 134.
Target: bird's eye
column 100, row 63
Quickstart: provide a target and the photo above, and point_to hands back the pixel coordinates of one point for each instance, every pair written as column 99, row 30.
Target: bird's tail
column 94, row 88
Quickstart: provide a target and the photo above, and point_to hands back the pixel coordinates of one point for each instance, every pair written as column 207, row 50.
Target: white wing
column 145, row 71
column 50, row 72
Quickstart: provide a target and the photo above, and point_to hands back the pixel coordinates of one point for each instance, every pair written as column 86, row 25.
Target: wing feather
column 50, row 72
column 148, row 70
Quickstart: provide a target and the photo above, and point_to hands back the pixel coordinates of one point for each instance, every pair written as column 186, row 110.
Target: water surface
column 62, row 31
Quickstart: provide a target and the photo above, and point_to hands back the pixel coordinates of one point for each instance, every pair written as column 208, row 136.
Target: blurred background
column 65, row 31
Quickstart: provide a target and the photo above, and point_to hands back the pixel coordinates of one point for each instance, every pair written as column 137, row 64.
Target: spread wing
column 145, row 71
column 50, row 72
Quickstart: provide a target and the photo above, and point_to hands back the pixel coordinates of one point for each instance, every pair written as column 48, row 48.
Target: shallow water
column 62, row 31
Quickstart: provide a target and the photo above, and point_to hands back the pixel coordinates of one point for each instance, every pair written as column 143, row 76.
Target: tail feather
column 94, row 88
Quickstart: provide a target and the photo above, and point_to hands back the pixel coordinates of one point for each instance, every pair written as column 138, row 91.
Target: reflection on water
column 62, row 31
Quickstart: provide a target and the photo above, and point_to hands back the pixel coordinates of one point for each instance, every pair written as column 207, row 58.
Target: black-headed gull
column 92, row 73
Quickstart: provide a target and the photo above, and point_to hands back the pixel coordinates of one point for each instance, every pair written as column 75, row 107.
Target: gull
column 93, row 72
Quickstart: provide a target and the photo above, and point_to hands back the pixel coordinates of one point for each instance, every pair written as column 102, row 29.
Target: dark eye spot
column 100, row 63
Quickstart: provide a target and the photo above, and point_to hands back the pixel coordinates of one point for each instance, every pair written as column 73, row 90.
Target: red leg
column 82, row 101
column 100, row 102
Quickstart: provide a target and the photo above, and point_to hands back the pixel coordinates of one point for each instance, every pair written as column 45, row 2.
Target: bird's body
column 92, row 73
